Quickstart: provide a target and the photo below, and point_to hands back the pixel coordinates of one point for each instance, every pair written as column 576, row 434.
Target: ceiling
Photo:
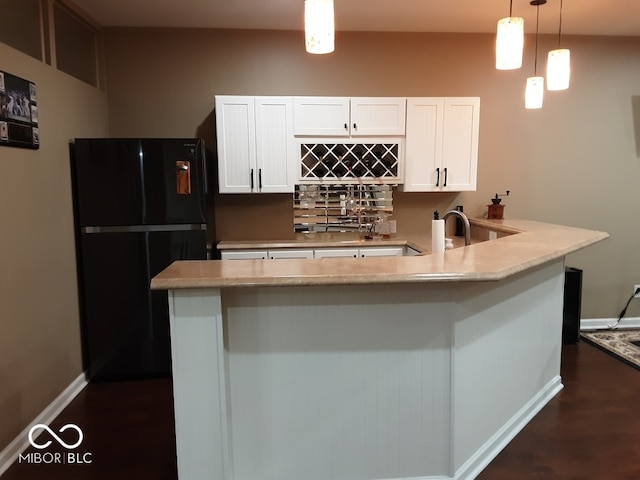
column 579, row 17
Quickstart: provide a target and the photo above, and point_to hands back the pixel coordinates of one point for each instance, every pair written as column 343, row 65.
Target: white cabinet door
column 460, row 143
column 256, row 146
column 243, row 255
column 321, row 116
column 235, row 129
column 290, row 253
column 441, row 149
column 423, row 144
column 275, row 146
column 344, row 117
column 382, row 252
column 336, row 252
column 378, row 116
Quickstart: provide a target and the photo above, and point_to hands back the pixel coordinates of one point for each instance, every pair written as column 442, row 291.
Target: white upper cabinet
column 349, row 117
column 256, row 146
column 275, row 145
column 378, row 116
column 441, row 149
column 324, row 116
column 262, row 140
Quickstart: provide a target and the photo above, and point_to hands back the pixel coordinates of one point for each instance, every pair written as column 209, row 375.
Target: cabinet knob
column 346, row 127
column 355, row 127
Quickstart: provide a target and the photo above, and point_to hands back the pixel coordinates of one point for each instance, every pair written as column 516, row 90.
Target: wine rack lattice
column 349, row 161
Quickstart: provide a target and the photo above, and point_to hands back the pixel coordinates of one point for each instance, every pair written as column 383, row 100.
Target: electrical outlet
column 635, row 289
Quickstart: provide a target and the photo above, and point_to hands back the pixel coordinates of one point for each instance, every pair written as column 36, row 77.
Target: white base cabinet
column 290, row 253
column 441, row 145
column 244, row 255
column 266, row 254
column 359, row 252
column 324, row 252
column 336, row 253
column 256, row 147
column 382, row 252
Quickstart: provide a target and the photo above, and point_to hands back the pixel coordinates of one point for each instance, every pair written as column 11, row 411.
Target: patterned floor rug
column 622, row 344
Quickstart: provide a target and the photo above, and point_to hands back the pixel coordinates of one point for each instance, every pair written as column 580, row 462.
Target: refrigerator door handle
column 181, row 227
column 143, row 203
column 202, row 153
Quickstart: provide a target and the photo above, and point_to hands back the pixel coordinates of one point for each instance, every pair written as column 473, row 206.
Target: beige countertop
column 527, row 244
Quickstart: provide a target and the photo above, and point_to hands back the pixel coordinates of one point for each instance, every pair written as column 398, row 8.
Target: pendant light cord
column 560, row 25
column 535, row 62
column 511, row 8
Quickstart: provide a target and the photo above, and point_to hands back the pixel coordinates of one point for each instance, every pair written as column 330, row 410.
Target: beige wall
column 573, row 162
column 39, row 325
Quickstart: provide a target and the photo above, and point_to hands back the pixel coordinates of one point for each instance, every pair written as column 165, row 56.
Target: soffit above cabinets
column 583, row 17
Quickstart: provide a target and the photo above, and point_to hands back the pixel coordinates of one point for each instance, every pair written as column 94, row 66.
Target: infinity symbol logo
column 58, row 439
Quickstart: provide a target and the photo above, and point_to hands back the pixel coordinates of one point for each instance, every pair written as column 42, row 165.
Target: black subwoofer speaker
column 571, row 308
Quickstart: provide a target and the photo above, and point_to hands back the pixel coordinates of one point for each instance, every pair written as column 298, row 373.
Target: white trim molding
column 19, row 444
column 603, row 323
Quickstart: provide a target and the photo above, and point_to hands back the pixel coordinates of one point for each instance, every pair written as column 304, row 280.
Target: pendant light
column 509, row 42
column 319, row 26
column 534, row 91
column 559, row 64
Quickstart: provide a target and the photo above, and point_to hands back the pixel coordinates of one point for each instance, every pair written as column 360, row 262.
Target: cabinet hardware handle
column 445, row 177
column 438, row 177
column 259, row 179
column 355, row 127
column 252, row 179
column 346, row 127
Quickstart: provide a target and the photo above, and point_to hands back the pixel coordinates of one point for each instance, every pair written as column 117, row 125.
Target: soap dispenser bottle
column 437, row 233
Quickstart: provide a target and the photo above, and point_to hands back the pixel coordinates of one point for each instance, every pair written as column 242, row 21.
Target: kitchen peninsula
column 368, row 368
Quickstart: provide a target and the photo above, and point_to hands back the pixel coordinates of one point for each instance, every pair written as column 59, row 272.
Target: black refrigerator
column 139, row 204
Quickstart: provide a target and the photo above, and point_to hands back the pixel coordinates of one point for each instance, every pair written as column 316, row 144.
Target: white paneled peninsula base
column 369, row 368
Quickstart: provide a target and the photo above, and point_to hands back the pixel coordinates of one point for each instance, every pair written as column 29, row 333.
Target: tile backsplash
column 337, row 207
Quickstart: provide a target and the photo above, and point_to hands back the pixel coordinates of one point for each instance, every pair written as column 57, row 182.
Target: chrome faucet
column 465, row 222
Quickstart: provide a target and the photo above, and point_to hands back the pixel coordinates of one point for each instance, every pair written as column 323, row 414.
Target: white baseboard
column 603, row 323
column 490, row 450
column 19, row 444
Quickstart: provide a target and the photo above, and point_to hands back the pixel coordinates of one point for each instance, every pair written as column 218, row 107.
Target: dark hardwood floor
column 590, row 430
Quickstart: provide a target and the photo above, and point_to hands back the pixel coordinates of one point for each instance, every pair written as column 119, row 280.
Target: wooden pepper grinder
column 496, row 210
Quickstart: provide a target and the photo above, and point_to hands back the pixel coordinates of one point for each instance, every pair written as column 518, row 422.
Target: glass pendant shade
column 534, row 92
column 509, row 43
column 319, row 26
column 558, row 69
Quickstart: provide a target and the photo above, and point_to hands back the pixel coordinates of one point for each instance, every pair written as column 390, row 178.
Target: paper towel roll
column 437, row 236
